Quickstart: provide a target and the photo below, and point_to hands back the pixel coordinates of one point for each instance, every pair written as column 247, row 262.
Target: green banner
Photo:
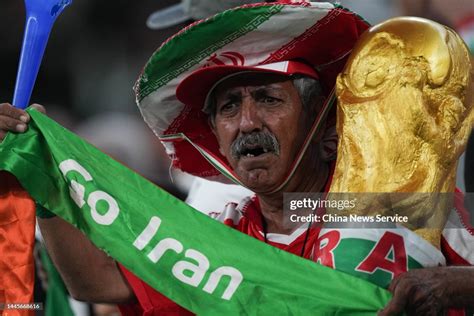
column 194, row 260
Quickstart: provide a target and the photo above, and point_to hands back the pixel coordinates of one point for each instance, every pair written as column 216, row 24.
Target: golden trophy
column 405, row 111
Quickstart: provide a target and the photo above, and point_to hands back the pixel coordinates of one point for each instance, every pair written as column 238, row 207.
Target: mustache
column 255, row 143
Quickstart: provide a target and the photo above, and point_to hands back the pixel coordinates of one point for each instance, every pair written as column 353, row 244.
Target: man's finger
column 19, row 128
column 8, row 110
column 398, row 302
column 394, row 283
column 39, row 107
column 11, row 124
column 423, row 302
column 393, row 308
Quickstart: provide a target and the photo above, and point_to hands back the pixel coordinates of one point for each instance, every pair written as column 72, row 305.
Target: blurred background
column 98, row 48
column 95, row 52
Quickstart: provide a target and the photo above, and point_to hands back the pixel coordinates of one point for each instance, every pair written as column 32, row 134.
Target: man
column 269, row 123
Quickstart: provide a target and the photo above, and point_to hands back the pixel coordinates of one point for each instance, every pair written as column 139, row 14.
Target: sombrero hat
column 258, row 36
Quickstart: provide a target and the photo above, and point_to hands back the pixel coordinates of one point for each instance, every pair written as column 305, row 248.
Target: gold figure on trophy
column 405, row 111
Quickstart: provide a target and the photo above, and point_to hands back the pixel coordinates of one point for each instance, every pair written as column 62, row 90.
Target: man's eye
column 269, row 100
column 228, row 108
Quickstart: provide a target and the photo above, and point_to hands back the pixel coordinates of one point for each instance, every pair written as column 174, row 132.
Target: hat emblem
column 225, row 58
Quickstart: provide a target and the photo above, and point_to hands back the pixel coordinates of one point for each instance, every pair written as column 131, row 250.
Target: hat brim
column 195, row 88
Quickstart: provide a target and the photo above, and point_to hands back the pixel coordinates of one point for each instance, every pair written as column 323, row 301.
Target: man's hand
column 431, row 291
column 14, row 120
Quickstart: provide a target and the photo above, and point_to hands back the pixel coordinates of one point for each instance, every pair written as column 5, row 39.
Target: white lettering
column 147, row 234
column 164, row 245
column 235, row 280
column 198, row 271
column 185, row 271
column 72, row 165
column 76, row 190
column 112, row 211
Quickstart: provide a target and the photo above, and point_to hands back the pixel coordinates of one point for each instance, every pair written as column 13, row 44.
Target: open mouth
column 255, row 144
column 253, row 152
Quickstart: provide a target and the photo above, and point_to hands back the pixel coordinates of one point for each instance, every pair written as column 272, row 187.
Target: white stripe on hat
column 279, row 66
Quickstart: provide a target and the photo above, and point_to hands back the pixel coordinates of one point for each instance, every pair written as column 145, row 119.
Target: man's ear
column 211, row 124
column 213, row 129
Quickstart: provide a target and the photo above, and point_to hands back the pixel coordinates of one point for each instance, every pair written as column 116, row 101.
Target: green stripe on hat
column 198, row 45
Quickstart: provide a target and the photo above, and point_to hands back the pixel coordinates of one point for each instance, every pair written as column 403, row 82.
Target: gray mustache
column 263, row 140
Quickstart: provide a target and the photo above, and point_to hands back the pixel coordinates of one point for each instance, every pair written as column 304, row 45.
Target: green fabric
column 41, row 212
column 116, row 205
column 57, row 298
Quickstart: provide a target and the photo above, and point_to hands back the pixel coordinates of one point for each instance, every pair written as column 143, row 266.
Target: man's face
column 259, row 126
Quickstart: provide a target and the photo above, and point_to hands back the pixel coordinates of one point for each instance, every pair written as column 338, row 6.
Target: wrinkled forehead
column 253, row 81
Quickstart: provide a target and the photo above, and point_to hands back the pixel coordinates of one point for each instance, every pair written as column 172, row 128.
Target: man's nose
column 250, row 119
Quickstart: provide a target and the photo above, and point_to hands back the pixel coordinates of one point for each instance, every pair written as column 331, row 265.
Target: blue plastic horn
column 40, row 17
